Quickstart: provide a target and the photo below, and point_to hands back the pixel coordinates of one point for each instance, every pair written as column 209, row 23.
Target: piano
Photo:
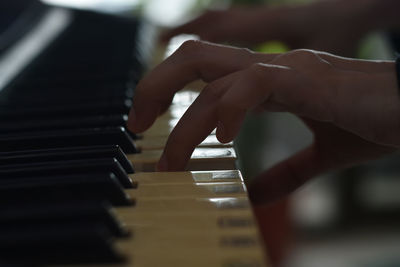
column 77, row 188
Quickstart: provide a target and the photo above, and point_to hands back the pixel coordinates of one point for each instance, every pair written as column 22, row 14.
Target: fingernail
column 162, row 165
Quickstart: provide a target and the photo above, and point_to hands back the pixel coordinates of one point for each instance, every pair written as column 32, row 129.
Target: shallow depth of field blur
column 346, row 218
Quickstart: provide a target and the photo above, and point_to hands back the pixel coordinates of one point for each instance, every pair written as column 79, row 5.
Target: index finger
column 192, row 61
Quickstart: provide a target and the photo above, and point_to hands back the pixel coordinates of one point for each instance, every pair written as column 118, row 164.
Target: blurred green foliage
column 248, row 2
column 272, row 47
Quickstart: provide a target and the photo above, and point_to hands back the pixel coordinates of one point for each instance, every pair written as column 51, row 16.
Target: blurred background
column 345, row 218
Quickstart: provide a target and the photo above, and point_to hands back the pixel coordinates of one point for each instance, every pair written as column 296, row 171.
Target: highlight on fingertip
column 222, row 134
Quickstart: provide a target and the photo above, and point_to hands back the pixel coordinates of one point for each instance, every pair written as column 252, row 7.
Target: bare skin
column 334, row 26
column 351, row 106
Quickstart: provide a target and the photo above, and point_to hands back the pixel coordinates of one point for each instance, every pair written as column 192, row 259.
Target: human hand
column 352, row 106
column 334, row 26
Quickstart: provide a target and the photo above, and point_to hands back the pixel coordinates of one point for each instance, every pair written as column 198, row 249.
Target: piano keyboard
column 78, row 188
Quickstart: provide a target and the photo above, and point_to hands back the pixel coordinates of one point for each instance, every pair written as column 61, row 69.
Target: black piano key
column 121, row 106
column 86, row 79
column 59, row 97
column 84, row 64
column 69, row 153
column 114, row 88
column 22, row 125
column 58, row 91
column 21, row 13
column 62, row 243
column 68, row 167
column 75, row 66
column 68, row 211
column 68, row 138
column 68, row 94
column 93, row 186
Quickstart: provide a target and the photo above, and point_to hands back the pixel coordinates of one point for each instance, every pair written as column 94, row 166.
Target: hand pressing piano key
column 158, row 143
column 202, row 159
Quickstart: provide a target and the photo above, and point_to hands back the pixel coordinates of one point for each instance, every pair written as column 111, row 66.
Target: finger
column 222, row 103
column 353, row 64
column 195, row 125
column 193, row 60
column 252, row 88
column 286, row 176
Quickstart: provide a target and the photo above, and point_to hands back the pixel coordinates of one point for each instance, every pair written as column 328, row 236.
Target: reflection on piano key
column 21, row 54
column 196, row 177
column 202, row 159
column 158, row 142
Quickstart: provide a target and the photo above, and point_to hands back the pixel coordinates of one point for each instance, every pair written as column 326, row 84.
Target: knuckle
column 304, row 61
column 147, row 92
column 263, row 79
column 303, row 54
column 191, row 53
column 190, row 47
column 256, row 73
column 247, row 51
column 310, row 63
column 212, row 91
column 223, row 104
column 257, row 68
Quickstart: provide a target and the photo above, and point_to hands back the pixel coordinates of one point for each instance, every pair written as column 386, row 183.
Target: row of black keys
column 62, row 145
column 66, row 232
column 55, row 205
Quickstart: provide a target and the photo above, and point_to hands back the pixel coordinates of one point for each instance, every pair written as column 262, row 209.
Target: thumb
column 286, row 176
